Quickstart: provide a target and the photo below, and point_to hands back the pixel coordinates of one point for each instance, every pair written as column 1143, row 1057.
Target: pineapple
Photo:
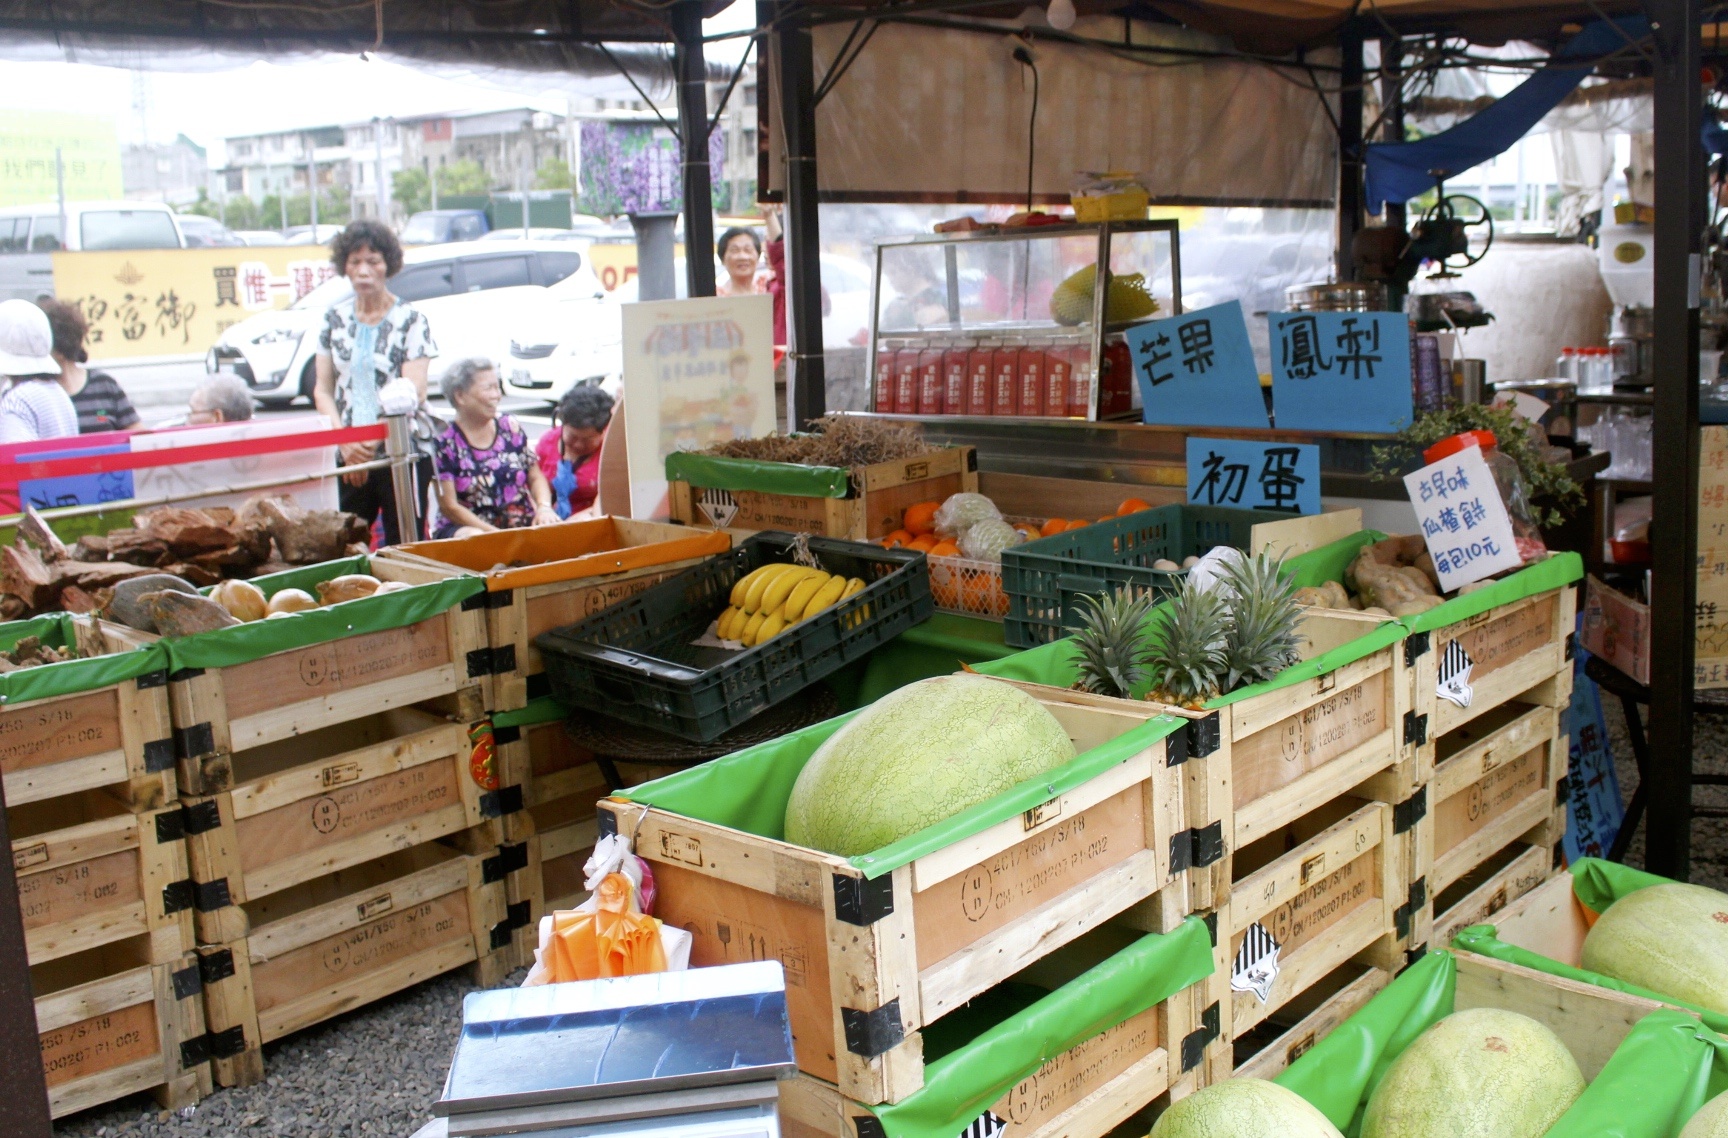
column 1187, row 655
column 1112, row 646
column 1262, row 640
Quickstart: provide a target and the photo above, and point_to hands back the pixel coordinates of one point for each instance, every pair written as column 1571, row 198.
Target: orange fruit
column 920, row 517
column 897, row 538
column 1054, row 525
column 923, row 543
column 1132, row 505
column 944, row 548
column 1108, row 518
column 1031, row 531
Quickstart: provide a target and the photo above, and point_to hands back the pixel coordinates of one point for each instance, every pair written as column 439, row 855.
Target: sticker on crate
column 1453, row 681
column 1256, row 966
column 718, row 507
column 986, row 1125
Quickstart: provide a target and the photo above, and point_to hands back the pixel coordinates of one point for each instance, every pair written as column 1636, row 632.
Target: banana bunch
column 772, row 599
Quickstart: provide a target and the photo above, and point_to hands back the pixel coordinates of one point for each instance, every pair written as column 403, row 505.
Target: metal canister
column 1336, row 296
column 1469, row 380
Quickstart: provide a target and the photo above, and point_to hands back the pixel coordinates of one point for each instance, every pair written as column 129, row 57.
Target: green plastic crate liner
column 240, row 644
column 635, row 660
column 711, row 472
column 1046, row 577
column 1596, row 884
column 69, row 677
column 747, row 790
column 1667, row 1067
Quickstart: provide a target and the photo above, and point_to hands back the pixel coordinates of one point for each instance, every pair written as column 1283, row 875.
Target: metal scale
column 692, row 1054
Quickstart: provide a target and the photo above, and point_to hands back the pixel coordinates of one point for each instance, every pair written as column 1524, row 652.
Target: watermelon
column 1243, row 1108
column 1482, row 1073
column 1711, row 1121
column 1671, row 939
column 918, row 755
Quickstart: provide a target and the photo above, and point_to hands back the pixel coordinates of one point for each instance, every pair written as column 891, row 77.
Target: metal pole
column 399, row 449
column 60, row 189
column 23, row 1088
column 806, row 376
column 1349, row 150
column 282, row 198
column 312, row 192
column 1392, row 99
column 1679, row 223
column 378, row 155
column 432, row 176
column 693, row 126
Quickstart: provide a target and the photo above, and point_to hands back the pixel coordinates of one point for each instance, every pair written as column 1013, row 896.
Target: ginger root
column 1388, row 574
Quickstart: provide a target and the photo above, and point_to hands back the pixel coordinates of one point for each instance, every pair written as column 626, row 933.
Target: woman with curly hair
column 368, row 340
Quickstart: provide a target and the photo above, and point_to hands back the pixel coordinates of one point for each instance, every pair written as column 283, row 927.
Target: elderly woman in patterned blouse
column 488, row 475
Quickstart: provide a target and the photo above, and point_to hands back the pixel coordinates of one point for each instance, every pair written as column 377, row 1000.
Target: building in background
column 171, row 172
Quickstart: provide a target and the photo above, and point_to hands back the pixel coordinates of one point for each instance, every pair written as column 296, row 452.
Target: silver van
column 30, row 233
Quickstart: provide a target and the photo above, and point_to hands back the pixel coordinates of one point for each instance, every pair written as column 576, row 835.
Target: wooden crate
column 118, row 736
column 1083, row 1092
column 1511, row 649
column 1478, row 896
column 334, row 797
column 90, row 872
column 341, row 941
column 1324, row 890
column 1287, row 1034
column 111, row 1024
column 520, row 602
column 870, row 961
column 218, row 711
column 875, row 501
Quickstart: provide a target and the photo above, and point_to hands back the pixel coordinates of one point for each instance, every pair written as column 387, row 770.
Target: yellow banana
column 781, row 588
column 802, row 592
column 741, row 587
column 824, row 597
column 729, row 622
column 773, row 626
column 753, row 597
column 855, row 585
column 748, row 636
column 723, row 622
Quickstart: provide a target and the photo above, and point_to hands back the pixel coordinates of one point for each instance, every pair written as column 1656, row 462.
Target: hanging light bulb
column 1061, row 14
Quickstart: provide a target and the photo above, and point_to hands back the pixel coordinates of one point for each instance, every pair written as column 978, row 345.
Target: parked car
column 304, row 235
column 261, row 237
column 439, row 226
column 206, row 232
column 472, row 296
column 30, row 234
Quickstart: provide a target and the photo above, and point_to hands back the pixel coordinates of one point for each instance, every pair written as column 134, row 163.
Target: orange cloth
column 610, row 941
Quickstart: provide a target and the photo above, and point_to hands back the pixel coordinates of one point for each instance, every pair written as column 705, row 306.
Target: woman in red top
column 569, row 453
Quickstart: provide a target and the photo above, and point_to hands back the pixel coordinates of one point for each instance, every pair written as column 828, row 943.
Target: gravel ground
column 376, row 1071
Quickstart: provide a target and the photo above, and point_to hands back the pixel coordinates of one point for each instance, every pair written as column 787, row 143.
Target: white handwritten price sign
column 1463, row 519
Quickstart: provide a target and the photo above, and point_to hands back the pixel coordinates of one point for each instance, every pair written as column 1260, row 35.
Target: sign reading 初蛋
column 1463, row 519
column 1197, row 369
column 1253, row 475
column 1341, row 371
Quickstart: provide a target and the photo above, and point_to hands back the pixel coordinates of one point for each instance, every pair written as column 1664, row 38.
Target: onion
column 348, row 587
column 242, row 599
column 286, row 602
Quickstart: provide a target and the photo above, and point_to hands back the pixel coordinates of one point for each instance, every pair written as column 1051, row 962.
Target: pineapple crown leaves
column 1111, row 643
column 1263, row 638
column 1188, row 653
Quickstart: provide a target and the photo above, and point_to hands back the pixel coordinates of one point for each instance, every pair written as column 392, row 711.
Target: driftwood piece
column 138, row 547
column 317, row 535
column 73, row 598
column 197, row 574
column 23, row 574
column 12, row 608
column 186, row 532
column 91, row 547
column 34, row 530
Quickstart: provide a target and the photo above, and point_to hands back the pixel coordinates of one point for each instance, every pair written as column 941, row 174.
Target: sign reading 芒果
column 172, row 302
column 1197, row 369
column 1463, row 519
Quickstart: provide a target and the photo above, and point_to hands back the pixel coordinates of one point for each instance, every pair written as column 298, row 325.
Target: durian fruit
column 1264, row 613
column 1127, row 298
column 1187, row 653
column 1111, row 644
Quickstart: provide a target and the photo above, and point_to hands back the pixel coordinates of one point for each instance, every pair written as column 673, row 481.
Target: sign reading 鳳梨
column 1341, row 371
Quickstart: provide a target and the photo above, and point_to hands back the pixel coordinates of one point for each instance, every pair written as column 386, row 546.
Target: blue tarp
column 1399, row 171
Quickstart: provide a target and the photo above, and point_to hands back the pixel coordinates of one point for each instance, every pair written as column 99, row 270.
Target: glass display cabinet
column 1007, row 322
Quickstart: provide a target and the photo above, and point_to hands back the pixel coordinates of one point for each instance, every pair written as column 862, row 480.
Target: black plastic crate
column 1046, row 577
column 635, row 660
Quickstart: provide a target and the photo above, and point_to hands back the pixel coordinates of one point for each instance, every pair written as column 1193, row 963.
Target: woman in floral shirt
column 488, row 477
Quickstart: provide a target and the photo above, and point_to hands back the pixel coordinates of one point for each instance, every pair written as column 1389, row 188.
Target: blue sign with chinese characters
column 76, row 489
column 1254, row 476
column 1594, row 812
column 1197, row 370
column 1341, row 371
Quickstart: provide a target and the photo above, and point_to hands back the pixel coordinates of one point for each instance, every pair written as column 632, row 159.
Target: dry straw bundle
column 836, row 440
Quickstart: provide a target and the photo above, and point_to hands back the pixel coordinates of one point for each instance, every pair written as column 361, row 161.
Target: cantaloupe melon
column 1711, row 1121
column 919, row 755
column 1671, row 939
column 1481, row 1073
column 1243, row 1108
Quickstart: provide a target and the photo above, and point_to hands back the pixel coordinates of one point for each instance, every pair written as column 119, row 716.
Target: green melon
column 918, row 755
column 1671, row 939
column 1711, row 1121
column 1243, row 1108
column 1482, row 1073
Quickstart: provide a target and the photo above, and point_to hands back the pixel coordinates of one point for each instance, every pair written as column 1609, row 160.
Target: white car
column 472, row 295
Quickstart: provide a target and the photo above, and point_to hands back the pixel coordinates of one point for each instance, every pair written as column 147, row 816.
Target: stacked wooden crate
column 342, row 843
column 874, row 958
column 97, row 849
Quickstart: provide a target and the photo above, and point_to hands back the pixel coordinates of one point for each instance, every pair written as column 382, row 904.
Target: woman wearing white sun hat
column 35, row 406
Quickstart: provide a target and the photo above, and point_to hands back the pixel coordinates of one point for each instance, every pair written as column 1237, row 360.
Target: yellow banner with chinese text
column 175, row 302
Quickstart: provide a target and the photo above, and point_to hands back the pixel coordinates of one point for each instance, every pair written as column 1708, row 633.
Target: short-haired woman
column 99, row 399
column 367, row 340
column 570, row 452
column 487, row 477
column 740, row 255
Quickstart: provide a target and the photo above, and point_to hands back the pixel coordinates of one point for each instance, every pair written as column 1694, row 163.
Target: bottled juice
column 1005, row 380
column 1033, row 364
column 930, row 381
column 885, row 354
column 1080, row 381
column 906, row 381
column 1056, row 367
column 978, row 381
